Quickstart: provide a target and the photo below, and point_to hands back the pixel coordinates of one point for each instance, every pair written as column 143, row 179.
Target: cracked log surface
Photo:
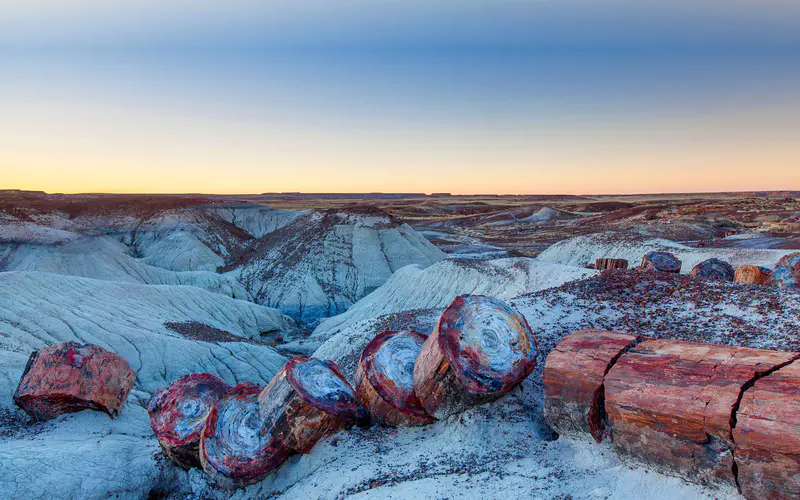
column 478, row 351
column 753, row 275
column 70, row 377
column 235, row 449
column 385, row 379
column 787, row 272
column 308, row 400
column 714, row 269
column 604, row 264
column 178, row 414
column 670, row 404
column 767, row 436
column 573, row 380
column 661, row 261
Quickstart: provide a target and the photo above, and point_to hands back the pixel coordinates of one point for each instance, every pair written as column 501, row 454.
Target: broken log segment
column 385, row 379
column 670, row 404
column 714, row 269
column 235, row 449
column 664, row 262
column 70, row 377
column 753, row 275
column 308, row 400
column 573, row 380
column 178, row 415
column 787, row 272
column 479, row 350
column 610, row 264
column 766, row 434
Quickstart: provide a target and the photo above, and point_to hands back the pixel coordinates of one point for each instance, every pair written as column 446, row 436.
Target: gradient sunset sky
column 517, row 97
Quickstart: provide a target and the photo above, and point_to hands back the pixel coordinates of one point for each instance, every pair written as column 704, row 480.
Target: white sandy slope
column 257, row 220
column 582, row 250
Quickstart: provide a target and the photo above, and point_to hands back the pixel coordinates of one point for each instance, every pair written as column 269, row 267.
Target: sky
column 503, row 96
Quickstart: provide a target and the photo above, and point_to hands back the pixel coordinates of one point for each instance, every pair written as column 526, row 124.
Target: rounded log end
column 787, row 272
column 714, row 269
column 661, row 261
column 321, row 384
column 753, row 275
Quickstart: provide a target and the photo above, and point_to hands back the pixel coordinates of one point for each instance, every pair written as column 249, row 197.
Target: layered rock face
column 714, row 269
column 753, row 275
column 661, row 261
column 70, row 377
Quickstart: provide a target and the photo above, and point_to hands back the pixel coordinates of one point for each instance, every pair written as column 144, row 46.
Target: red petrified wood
column 308, row 400
column 235, row 449
column 178, row 414
column 479, row 350
column 670, row 404
column 70, row 377
column 385, row 379
column 604, row 264
column 753, row 275
column 767, row 436
column 573, row 380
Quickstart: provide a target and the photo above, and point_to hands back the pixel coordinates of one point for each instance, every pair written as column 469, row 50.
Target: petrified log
column 178, row 415
column 603, row 264
column 70, row 377
column 573, row 380
column 670, row 404
column 753, row 275
column 235, row 449
column 714, row 269
column 308, row 400
column 479, row 350
column 385, row 379
column 767, row 436
column 661, row 261
column 787, row 272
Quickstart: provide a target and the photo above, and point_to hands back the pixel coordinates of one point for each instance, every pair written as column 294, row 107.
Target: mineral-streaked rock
column 767, row 436
column 235, row 449
column 573, row 380
column 603, row 264
column 753, row 275
column 670, row 404
column 787, row 272
column 308, row 400
column 479, row 350
column 178, row 415
column 661, row 261
column 70, row 377
column 714, row 269
column 385, row 379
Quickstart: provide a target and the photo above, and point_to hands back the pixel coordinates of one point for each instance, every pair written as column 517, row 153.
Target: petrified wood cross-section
column 661, row 261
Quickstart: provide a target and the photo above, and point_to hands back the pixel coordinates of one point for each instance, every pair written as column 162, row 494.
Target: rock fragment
column 754, row 275
column 385, row 379
column 714, row 269
column 235, row 449
column 661, row 261
column 573, row 380
column 787, row 272
column 604, row 264
column 178, row 415
column 308, row 400
column 479, row 350
column 71, row 377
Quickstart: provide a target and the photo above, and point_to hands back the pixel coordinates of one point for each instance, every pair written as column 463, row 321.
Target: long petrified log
column 607, row 264
column 661, row 261
column 787, row 272
column 670, row 404
column 235, row 449
column 714, row 269
column 385, row 379
column 573, row 380
column 178, row 415
column 479, row 350
column 70, row 377
column 766, row 434
column 308, row 400
column 753, row 275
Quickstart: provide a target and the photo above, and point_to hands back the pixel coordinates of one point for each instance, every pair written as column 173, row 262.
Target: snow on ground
column 582, row 250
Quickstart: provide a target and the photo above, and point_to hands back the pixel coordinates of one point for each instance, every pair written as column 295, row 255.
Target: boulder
column 787, row 272
column 478, row 351
column 385, row 379
column 70, row 377
column 573, row 380
column 235, row 449
column 766, row 434
column 754, row 275
column 670, row 404
column 178, row 415
column 714, row 269
column 603, row 264
column 661, row 261
column 308, row 400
